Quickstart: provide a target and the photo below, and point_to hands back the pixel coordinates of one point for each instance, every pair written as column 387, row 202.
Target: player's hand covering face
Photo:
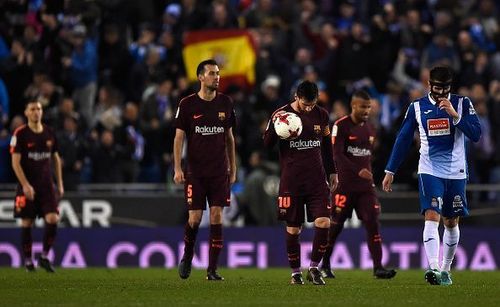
column 440, row 89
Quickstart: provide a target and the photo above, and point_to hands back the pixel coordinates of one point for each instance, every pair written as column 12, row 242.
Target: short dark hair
column 307, row 90
column 361, row 94
column 30, row 100
column 201, row 67
column 441, row 74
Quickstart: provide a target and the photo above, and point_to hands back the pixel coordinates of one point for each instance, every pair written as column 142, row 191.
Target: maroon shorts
column 45, row 202
column 291, row 208
column 365, row 203
column 199, row 190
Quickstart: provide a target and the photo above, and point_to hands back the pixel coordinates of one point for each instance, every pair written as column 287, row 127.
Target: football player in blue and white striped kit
column 443, row 120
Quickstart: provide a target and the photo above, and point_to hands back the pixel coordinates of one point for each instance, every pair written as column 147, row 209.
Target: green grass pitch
column 242, row 287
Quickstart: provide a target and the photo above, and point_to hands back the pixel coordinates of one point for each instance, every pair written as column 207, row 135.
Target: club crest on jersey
column 471, row 110
column 371, row 139
column 222, row 115
column 438, row 126
column 49, row 143
column 317, row 129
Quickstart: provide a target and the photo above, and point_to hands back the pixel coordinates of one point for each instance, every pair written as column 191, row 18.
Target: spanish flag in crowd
column 234, row 51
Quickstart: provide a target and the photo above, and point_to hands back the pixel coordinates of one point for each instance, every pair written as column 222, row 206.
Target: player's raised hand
column 179, row 176
column 445, row 104
column 28, row 191
column 387, row 182
column 365, row 174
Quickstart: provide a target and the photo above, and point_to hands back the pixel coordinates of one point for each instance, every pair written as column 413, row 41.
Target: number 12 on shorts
column 340, row 200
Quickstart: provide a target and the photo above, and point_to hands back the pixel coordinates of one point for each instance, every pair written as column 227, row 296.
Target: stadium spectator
column 71, row 148
column 82, row 66
column 104, row 153
column 129, row 137
column 207, row 120
column 444, row 120
column 157, row 126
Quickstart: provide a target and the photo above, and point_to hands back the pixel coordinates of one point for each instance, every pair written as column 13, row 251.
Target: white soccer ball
column 288, row 125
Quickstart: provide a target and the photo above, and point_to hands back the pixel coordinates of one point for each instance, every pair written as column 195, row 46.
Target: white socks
column 451, row 237
column 431, row 243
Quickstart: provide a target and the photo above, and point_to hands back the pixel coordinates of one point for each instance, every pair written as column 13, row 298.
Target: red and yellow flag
column 234, row 51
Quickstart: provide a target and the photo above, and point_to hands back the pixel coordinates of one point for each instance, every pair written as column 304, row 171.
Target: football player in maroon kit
column 353, row 138
column 206, row 119
column 34, row 148
column 308, row 176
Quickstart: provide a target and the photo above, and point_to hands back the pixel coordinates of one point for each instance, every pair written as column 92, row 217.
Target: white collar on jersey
column 433, row 101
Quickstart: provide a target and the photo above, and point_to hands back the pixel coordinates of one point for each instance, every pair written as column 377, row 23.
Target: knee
column 216, row 215
column 26, row 223
column 51, row 218
column 371, row 225
column 293, row 230
column 431, row 215
column 194, row 219
column 450, row 222
column 322, row 222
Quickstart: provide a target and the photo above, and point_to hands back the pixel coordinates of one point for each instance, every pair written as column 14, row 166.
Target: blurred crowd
column 110, row 74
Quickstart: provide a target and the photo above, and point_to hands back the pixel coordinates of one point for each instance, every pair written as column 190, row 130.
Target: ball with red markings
column 287, row 125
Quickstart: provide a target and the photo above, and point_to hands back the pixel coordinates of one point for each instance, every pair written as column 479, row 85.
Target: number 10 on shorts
column 284, row 202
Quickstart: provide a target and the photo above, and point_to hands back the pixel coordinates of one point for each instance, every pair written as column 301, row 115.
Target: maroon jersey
column 36, row 151
column 206, row 124
column 352, row 149
column 303, row 163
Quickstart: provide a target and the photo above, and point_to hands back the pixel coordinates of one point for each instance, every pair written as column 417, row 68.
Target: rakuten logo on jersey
column 358, row 152
column 37, row 156
column 301, row 144
column 204, row 130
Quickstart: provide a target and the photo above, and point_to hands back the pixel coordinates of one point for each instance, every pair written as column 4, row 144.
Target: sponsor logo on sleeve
column 177, row 113
column 335, row 129
column 13, row 141
column 438, row 126
column 326, row 131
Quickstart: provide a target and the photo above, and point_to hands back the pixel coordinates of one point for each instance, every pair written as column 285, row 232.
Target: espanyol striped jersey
column 442, row 139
